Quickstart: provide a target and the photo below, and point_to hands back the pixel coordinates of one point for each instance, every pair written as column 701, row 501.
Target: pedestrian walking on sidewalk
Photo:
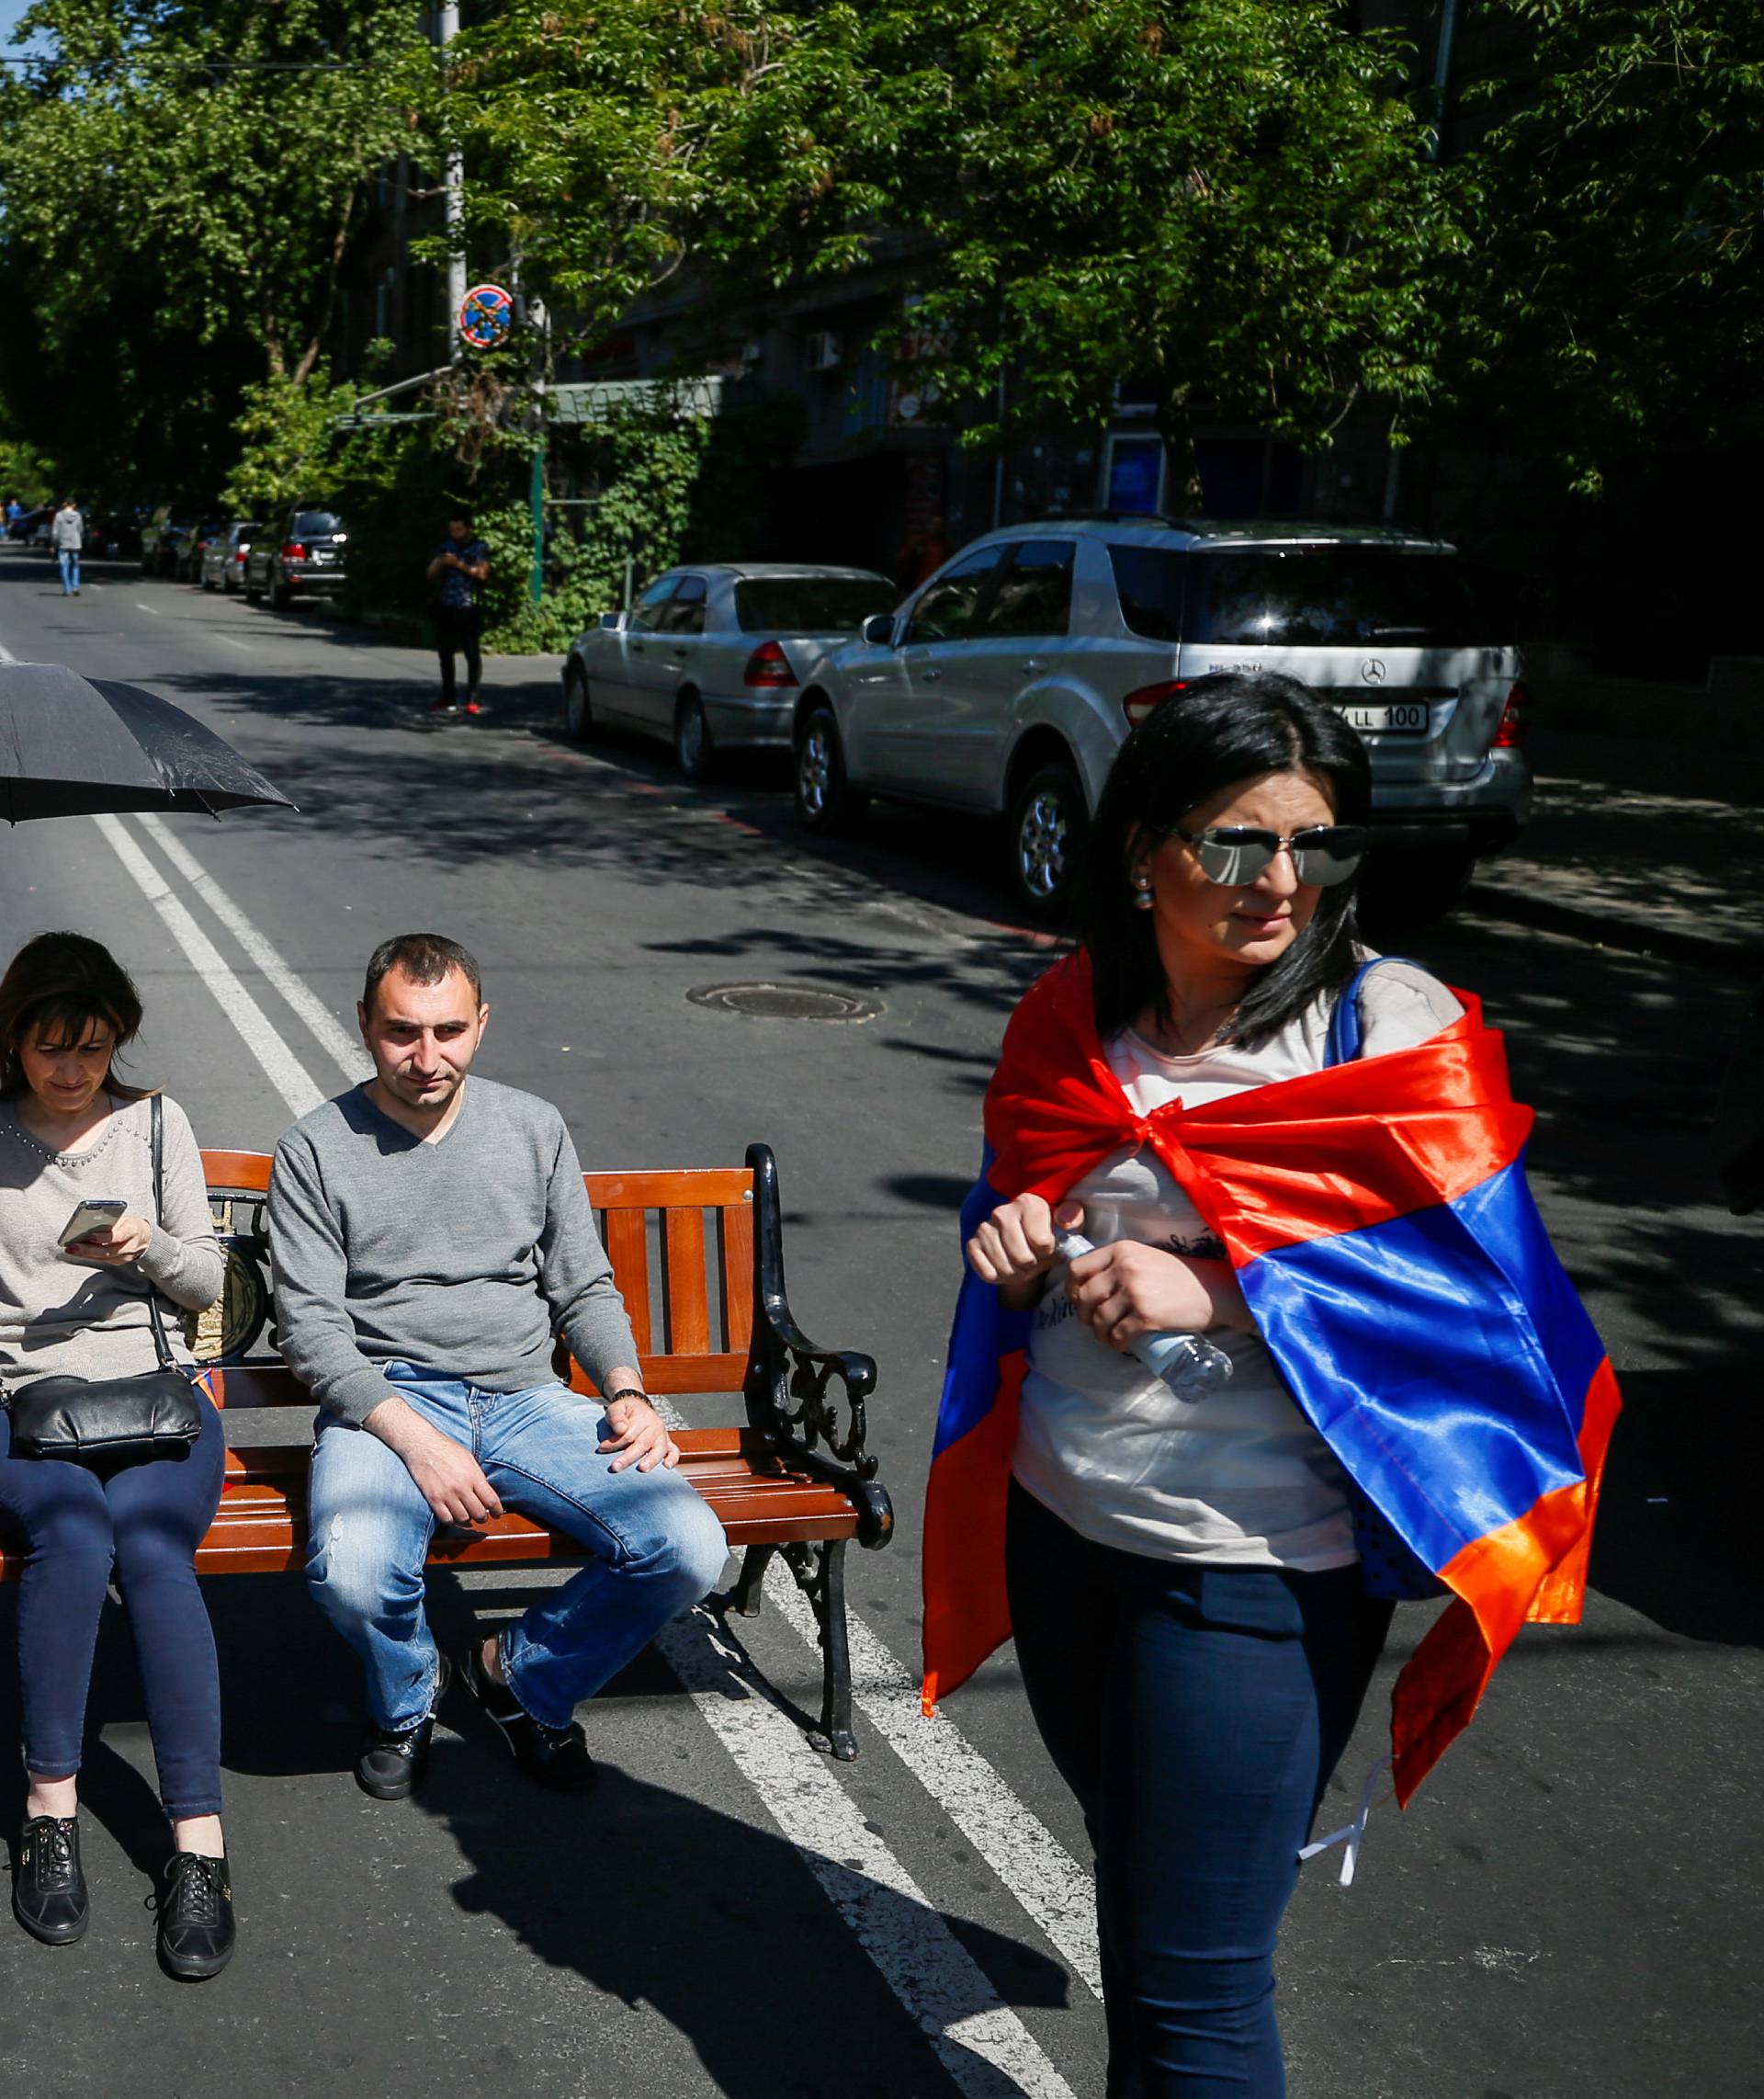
column 67, row 536
column 459, row 566
column 1316, row 1356
column 82, row 1152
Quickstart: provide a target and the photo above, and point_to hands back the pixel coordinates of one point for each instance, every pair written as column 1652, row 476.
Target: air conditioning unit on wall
column 821, row 351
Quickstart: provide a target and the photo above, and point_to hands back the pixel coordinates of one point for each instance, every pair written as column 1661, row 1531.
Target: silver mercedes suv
column 1006, row 683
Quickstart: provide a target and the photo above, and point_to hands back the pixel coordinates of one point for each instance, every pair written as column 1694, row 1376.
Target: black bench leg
column 750, row 1582
column 828, row 1595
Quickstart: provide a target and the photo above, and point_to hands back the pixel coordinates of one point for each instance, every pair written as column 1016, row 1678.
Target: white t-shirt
column 1238, row 1475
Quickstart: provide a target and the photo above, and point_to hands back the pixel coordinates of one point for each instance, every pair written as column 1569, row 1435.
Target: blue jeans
column 656, row 1547
column 144, row 1523
column 70, row 561
column 1197, row 1712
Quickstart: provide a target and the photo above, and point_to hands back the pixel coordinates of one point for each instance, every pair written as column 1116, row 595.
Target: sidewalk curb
column 1654, row 943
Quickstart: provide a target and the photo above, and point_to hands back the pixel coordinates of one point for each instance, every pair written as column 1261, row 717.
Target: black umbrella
column 74, row 746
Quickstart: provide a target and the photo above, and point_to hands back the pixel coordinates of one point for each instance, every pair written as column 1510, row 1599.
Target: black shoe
column 391, row 1762
column 49, row 1896
column 557, row 1757
column 196, row 1925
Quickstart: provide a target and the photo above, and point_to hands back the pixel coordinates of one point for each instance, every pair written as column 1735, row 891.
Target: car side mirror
column 612, row 621
column 878, row 630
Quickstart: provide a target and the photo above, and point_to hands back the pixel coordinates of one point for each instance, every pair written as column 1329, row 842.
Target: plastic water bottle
column 1189, row 1364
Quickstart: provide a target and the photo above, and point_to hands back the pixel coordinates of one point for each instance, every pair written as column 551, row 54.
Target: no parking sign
column 486, row 315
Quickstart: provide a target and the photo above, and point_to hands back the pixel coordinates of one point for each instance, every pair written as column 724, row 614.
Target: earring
column 1142, row 899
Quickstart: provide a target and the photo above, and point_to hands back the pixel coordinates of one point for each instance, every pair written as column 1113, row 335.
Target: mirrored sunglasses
column 1234, row 855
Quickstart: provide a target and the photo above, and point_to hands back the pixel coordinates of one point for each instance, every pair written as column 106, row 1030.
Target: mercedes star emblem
column 1371, row 671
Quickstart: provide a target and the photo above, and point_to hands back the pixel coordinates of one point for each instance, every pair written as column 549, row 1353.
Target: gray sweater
column 61, row 1318
column 462, row 1257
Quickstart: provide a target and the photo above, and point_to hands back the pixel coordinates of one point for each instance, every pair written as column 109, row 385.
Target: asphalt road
column 1567, row 1913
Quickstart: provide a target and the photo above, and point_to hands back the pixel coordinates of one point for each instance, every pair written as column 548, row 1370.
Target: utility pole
column 456, row 193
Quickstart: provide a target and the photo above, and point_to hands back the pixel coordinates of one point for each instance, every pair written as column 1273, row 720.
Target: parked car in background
column 1009, row 680
column 712, row 656
column 187, row 565
column 223, row 557
column 304, row 558
column 164, row 535
column 32, row 529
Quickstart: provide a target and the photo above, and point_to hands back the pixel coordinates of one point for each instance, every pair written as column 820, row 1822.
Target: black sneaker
column 196, row 1923
column 392, row 1762
column 557, row 1757
column 49, row 1896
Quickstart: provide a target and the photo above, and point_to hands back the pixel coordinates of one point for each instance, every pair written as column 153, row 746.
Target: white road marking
column 987, row 2050
column 1036, row 1868
column 255, row 1029
column 230, row 642
column 344, row 1049
column 152, row 609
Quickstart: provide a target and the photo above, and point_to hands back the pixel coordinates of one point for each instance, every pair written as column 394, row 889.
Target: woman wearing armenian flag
column 1306, row 1158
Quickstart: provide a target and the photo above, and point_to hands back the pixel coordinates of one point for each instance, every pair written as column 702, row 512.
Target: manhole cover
column 786, row 1001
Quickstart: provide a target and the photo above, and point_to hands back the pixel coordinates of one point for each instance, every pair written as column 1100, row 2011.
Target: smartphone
column 97, row 1213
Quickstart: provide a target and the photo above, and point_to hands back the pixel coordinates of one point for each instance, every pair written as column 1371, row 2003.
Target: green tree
column 1613, row 306
column 222, row 149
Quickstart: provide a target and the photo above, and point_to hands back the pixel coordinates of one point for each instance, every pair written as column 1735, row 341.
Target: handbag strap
column 161, row 1347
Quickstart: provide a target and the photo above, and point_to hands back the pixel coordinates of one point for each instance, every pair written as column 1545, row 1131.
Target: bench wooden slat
column 735, row 1221
column 628, row 1248
column 244, row 1173
column 687, row 1187
column 683, row 1241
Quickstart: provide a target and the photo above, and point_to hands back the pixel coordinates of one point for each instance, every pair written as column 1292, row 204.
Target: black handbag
column 108, row 1421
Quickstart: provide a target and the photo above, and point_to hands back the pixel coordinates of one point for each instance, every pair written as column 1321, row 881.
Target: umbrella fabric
column 74, row 746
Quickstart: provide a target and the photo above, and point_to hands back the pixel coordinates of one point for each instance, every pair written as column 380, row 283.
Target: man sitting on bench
column 429, row 1235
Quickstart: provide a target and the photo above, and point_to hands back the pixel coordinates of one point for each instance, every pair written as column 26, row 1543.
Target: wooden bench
column 698, row 1256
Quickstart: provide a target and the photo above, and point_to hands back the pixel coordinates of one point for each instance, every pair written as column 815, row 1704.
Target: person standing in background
column 459, row 565
column 67, row 536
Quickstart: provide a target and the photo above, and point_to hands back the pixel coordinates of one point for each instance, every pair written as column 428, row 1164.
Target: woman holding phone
column 87, row 1240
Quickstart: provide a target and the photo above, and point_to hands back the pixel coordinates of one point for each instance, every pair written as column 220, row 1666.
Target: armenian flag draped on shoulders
column 1378, row 1220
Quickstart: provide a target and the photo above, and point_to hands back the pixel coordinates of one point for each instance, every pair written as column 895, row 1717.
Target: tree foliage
column 222, row 150
column 1613, row 305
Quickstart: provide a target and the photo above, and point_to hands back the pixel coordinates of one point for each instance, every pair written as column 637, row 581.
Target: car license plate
column 1390, row 718
column 324, row 554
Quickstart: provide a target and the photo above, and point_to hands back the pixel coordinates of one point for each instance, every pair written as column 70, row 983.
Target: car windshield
column 311, row 524
column 1345, row 597
column 810, row 605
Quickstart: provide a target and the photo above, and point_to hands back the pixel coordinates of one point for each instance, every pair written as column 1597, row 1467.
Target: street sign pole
column 456, row 202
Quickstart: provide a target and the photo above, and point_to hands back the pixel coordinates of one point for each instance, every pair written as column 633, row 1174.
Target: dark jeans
column 1197, row 1712
column 456, row 627
column 146, row 1521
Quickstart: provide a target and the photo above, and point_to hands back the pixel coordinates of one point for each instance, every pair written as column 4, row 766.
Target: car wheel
column 1405, row 890
column 826, row 803
column 1049, row 825
column 693, row 751
column 280, row 597
column 253, row 592
column 579, row 723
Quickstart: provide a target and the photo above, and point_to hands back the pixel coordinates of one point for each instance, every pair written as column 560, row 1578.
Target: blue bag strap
column 1345, row 1030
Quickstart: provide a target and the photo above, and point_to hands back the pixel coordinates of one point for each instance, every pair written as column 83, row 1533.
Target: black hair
column 1223, row 728
column 424, row 958
column 66, row 981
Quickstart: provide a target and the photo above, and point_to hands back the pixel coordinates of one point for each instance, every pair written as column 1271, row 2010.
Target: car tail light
column 240, row 557
column 1509, row 732
column 768, row 665
column 292, row 550
column 1136, row 706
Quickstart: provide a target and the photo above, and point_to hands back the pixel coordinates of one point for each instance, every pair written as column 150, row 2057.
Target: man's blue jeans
column 69, row 560
column 657, row 1547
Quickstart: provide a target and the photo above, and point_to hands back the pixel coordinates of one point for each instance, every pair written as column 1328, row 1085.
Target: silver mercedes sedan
column 712, row 656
